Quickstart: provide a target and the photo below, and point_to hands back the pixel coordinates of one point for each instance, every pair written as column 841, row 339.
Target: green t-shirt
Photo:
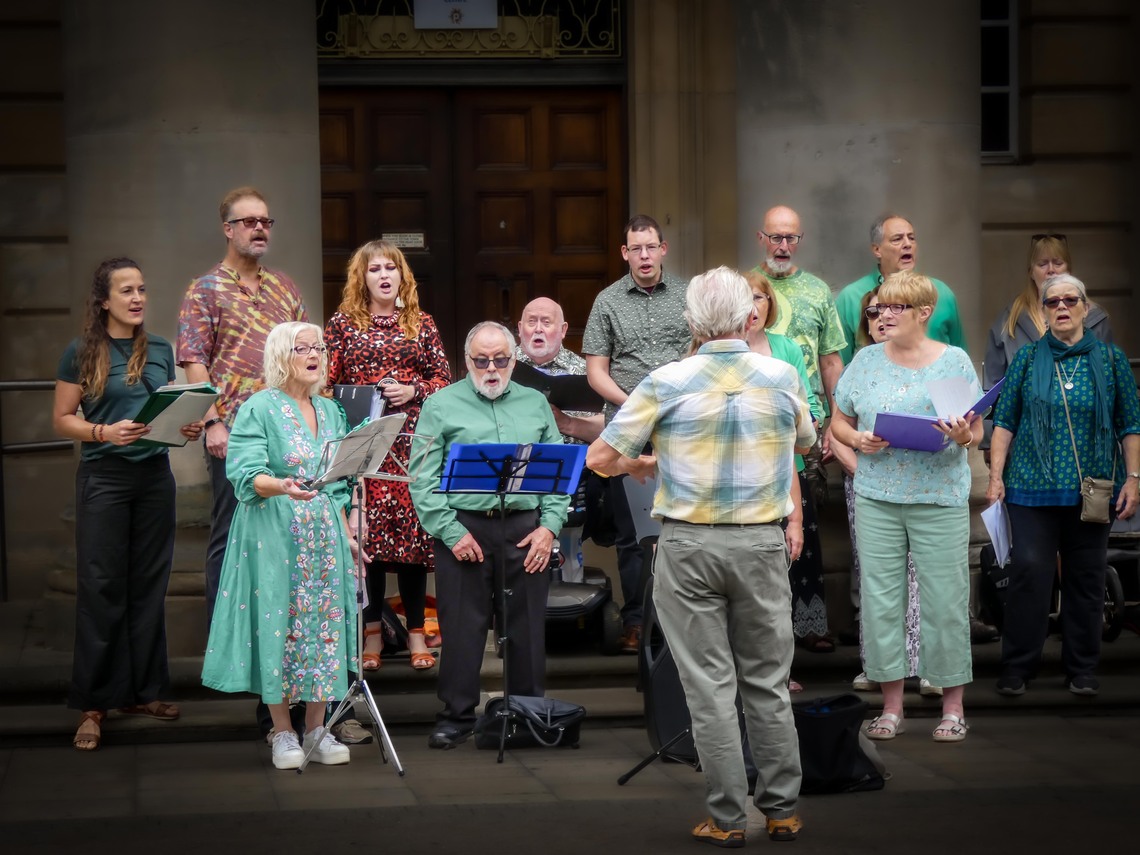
column 945, row 325
column 120, row 401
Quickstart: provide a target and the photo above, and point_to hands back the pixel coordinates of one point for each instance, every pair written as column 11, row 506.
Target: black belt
column 721, row 525
column 495, row 513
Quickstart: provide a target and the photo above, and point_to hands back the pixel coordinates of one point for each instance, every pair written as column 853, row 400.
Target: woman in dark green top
column 124, row 505
column 1066, row 378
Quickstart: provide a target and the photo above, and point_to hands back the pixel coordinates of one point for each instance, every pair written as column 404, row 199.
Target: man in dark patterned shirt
column 636, row 325
column 225, row 318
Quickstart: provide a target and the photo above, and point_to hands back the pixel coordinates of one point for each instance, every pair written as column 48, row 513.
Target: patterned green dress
column 284, row 623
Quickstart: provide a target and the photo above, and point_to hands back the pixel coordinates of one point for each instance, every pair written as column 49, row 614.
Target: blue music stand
column 502, row 470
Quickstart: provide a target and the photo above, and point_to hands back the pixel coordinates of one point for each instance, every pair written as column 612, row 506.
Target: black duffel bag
column 532, row 723
column 835, row 755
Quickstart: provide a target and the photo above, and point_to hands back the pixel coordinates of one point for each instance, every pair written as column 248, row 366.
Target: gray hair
column 718, row 303
column 482, row 325
column 278, row 360
column 1064, row 279
column 877, row 227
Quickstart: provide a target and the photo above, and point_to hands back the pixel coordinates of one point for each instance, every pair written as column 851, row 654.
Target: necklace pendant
column 1068, row 385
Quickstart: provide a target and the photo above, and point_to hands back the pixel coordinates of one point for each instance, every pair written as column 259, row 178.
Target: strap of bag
column 1072, row 439
column 127, row 356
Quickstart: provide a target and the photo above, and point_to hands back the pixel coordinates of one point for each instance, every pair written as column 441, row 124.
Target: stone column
column 168, row 107
column 849, row 110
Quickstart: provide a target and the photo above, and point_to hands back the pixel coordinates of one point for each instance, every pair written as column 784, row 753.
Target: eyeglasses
column 306, row 349
column 250, row 222
column 873, row 312
column 483, row 361
column 1054, row 302
column 650, row 248
column 1054, row 235
column 776, row 240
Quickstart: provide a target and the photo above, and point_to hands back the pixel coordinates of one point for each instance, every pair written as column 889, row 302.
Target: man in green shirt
column 470, row 533
column 895, row 247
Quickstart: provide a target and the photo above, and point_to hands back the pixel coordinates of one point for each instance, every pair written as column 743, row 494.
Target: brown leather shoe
column 707, row 832
column 786, row 829
column 631, row 641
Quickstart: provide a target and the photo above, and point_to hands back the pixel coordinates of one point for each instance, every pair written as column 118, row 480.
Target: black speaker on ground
column 666, row 711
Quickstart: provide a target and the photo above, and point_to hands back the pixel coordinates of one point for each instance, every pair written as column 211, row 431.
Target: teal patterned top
column 1025, row 482
column 872, row 384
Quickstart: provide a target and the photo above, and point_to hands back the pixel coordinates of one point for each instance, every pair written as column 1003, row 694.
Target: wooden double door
column 497, row 196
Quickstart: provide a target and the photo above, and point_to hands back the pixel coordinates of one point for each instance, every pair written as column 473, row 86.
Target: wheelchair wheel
column 1113, row 605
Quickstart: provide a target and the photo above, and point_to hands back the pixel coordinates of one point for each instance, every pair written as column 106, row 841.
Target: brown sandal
column 89, row 741
column 421, row 661
column 370, row 661
column 155, row 709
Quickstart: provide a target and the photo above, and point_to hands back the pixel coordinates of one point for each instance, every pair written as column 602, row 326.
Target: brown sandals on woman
column 421, row 661
column 155, row 709
column 86, row 740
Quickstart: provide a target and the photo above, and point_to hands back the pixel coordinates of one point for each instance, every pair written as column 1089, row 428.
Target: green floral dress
column 284, row 623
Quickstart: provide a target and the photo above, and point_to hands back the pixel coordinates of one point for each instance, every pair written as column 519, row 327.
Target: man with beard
column 468, row 529
column 222, row 325
column 807, row 316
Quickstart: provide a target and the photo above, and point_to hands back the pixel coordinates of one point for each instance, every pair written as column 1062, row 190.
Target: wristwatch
column 1135, row 475
column 211, row 422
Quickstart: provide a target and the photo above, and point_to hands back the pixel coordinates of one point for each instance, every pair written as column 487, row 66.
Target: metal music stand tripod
column 359, row 454
column 504, row 470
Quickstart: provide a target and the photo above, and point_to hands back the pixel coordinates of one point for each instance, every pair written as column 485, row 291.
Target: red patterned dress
column 366, row 357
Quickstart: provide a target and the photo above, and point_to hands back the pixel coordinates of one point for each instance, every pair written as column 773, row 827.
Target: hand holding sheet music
column 171, row 407
column 920, row 433
column 360, row 453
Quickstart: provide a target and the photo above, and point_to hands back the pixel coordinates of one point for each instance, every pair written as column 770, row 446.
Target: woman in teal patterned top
column 284, row 623
column 1033, row 469
column 907, row 500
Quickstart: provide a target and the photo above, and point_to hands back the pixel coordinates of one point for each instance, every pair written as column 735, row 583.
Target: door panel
column 518, row 192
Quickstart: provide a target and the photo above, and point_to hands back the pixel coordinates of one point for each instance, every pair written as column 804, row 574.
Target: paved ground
column 1045, row 773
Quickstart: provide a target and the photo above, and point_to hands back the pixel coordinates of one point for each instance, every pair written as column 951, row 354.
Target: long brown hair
column 1029, row 300
column 354, row 298
column 93, row 353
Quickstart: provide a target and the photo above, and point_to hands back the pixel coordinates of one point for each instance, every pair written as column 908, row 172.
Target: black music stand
column 359, row 454
column 503, row 469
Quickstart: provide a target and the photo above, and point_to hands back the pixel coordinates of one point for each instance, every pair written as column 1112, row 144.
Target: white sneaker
column 328, row 751
column 287, row 753
column 928, row 689
column 863, row 684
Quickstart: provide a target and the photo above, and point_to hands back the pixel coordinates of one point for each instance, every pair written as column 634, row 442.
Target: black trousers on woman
column 1039, row 534
column 124, row 543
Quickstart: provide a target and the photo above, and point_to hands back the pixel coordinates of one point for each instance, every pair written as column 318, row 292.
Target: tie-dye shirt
column 223, row 325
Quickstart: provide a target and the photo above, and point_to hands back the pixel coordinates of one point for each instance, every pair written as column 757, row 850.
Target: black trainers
column 447, row 736
column 1084, row 684
column 1010, row 685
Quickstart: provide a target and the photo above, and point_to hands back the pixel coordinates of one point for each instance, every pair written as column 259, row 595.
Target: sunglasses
column 1054, row 302
column 1054, row 235
column 873, row 312
column 250, row 222
column 482, row 362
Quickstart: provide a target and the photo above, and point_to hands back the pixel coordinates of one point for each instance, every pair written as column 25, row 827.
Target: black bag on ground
column 993, row 582
column 533, row 723
column 835, row 755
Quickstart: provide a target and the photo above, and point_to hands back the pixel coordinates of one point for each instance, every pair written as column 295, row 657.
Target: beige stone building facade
column 510, row 164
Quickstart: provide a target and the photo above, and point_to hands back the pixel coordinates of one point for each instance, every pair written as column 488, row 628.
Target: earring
column 399, row 302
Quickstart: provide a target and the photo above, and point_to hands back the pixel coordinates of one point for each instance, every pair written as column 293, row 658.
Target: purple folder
column 918, row 433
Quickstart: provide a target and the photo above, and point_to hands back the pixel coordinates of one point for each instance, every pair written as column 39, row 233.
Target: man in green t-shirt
column 895, row 247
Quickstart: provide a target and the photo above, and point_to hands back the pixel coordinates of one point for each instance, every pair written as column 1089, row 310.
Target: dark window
column 999, row 80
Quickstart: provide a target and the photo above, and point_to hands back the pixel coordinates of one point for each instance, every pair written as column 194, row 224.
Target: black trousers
column 221, row 515
column 1039, row 534
column 466, row 597
column 630, row 555
column 124, row 544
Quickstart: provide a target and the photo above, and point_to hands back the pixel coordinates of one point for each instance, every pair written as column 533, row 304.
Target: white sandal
column 956, row 732
column 885, row 726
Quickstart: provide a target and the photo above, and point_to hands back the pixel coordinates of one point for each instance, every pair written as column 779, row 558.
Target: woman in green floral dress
column 284, row 623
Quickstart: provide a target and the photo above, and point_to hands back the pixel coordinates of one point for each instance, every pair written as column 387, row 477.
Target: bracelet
column 102, row 431
column 211, row 422
column 93, row 429
column 967, row 443
column 1135, row 475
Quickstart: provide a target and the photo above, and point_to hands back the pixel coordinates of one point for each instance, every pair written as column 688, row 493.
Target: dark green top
column 1025, row 482
column 459, row 414
column 120, row 401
